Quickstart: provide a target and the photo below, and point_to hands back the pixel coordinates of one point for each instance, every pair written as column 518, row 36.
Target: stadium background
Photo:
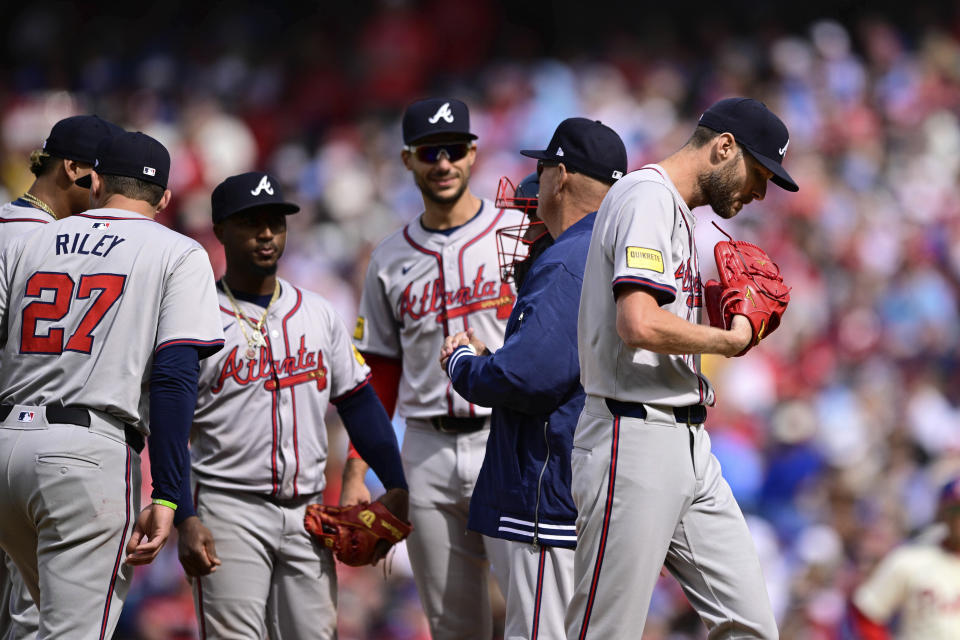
column 834, row 434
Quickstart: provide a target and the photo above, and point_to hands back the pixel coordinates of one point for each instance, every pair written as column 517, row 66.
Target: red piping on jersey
column 443, row 297
column 353, row 391
column 87, row 215
column 24, row 220
column 538, row 599
column 116, row 565
column 293, row 395
column 274, row 398
column 232, row 314
column 605, row 529
column 646, row 283
column 188, row 341
column 203, row 621
column 466, row 245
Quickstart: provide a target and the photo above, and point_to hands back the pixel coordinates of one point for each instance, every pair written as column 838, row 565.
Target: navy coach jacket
column 533, row 384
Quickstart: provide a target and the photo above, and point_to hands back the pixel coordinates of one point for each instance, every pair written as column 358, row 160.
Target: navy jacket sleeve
column 537, row 365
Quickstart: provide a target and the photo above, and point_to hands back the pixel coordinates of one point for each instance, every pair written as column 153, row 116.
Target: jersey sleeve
column 639, row 241
column 189, row 307
column 885, row 590
column 376, row 329
column 346, row 367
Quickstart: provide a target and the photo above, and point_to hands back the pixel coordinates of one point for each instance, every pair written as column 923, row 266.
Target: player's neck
column 446, row 216
column 683, row 168
column 50, row 195
column 117, row 201
column 253, row 283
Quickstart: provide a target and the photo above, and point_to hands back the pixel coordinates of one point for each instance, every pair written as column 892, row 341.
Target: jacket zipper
column 536, row 512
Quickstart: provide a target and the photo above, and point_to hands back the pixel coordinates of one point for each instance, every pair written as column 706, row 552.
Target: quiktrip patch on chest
column 643, row 258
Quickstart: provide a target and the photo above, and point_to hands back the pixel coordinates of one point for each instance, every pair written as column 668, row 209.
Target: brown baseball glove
column 357, row 535
column 750, row 285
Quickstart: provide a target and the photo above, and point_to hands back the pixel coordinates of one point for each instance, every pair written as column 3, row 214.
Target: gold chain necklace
column 39, row 204
column 255, row 341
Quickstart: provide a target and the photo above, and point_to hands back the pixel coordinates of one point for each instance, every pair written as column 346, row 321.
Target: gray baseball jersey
column 19, row 616
column 19, row 217
column 423, row 285
column 99, row 292
column 86, row 302
column 258, row 452
column 644, row 235
column 259, row 423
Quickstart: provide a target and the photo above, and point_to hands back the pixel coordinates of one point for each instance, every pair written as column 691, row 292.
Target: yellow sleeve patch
column 356, row 354
column 358, row 330
column 642, row 258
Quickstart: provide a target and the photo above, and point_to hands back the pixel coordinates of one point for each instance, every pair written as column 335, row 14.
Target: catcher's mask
column 513, row 243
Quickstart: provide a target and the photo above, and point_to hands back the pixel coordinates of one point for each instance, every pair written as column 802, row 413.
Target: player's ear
column 75, row 170
column 218, row 231
column 406, row 156
column 724, row 147
column 165, row 200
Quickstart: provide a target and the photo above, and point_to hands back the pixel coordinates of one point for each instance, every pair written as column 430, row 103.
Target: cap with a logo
column 77, row 137
column 587, row 146
column 133, row 155
column 433, row 116
column 756, row 129
column 248, row 191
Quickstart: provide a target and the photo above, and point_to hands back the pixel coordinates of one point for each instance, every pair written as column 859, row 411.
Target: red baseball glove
column 357, row 535
column 750, row 285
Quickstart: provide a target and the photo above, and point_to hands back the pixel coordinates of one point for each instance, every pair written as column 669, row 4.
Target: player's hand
column 196, row 548
column 354, row 490
column 397, row 502
column 150, row 533
column 451, row 343
column 741, row 333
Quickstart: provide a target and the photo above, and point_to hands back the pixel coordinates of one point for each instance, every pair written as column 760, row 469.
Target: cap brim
column 85, row 182
column 440, row 136
column 537, row 154
column 286, row 208
column 780, row 176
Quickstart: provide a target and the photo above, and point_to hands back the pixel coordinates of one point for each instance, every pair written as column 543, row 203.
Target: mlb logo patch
column 101, row 225
column 149, row 171
column 26, row 416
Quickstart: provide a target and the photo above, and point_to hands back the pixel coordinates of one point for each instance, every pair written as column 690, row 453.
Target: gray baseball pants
column 274, row 580
column 649, row 493
column 70, row 496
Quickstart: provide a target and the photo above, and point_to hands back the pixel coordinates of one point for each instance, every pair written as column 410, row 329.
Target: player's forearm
column 528, row 383
column 642, row 325
column 372, row 434
column 173, row 395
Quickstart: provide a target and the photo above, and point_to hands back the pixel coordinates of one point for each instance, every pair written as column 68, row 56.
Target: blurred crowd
column 834, row 434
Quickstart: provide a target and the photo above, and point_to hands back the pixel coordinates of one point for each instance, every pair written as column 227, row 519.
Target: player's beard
column 720, row 188
column 432, row 195
column 264, row 270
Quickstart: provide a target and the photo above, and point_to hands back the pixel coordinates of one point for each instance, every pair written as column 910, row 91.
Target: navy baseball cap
column 587, row 146
column 425, row 118
column 77, row 137
column 756, row 129
column 132, row 155
column 248, row 191
column 950, row 494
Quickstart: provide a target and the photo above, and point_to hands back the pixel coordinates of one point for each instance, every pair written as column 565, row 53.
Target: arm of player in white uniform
column 885, row 591
column 643, row 324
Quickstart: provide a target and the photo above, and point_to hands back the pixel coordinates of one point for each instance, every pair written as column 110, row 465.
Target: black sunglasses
column 430, row 153
column 541, row 164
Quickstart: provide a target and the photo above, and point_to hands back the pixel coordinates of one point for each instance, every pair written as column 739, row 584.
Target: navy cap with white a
column 756, row 129
column 435, row 116
column 587, row 146
column 246, row 191
column 77, row 137
column 133, row 155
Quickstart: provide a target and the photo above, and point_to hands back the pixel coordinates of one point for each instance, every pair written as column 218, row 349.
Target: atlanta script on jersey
column 423, row 285
column 259, row 423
